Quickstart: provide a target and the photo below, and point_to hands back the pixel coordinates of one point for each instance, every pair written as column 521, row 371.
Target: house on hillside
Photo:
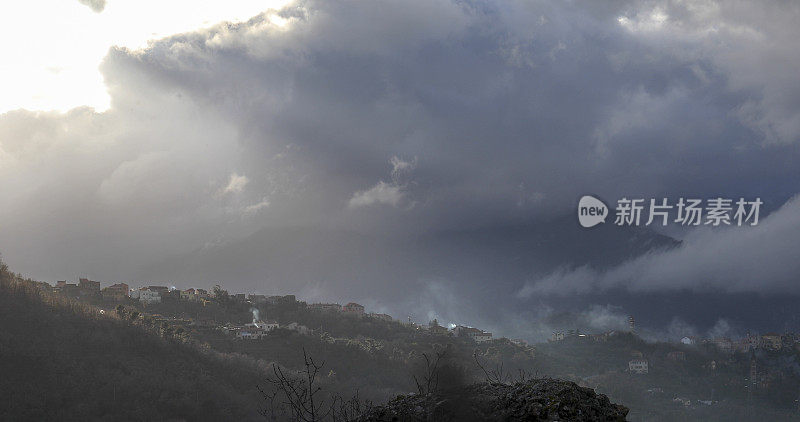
column 436, row 329
column 268, row 325
column 754, row 340
column 473, row 333
column 482, row 336
column 334, row 307
column 88, row 287
column 161, row 290
column 279, row 300
column 741, row 346
column 724, row 344
column 254, row 330
column 67, row 289
column 382, row 317
column 638, row 366
column 116, row 292
column 353, row 308
column 772, row 341
column 147, row 296
column 256, row 299
column 189, row 295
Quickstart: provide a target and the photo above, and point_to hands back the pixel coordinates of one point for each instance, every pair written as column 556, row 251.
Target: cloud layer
column 760, row 258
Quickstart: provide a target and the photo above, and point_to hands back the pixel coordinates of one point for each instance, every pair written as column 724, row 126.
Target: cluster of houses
column 478, row 335
column 257, row 329
column 155, row 294
column 474, row 333
column 351, row 308
column 86, row 287
column 251, row 331
column 750, row 342
column 769, row 341
column 577, row 334
column 432, row 327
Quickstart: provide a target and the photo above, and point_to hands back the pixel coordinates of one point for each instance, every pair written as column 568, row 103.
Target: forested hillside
column 62, row 360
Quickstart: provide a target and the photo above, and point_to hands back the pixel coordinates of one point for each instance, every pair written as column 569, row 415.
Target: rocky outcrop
column 534, row 400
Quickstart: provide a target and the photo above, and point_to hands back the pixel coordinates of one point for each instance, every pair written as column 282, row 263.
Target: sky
column 136, row 133
column 56, row 67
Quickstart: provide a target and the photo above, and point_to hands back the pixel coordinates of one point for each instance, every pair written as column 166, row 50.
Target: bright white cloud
column 387, row 193
column 383, row 193
column 236, row 183
column 52, row 48
column 255, row 208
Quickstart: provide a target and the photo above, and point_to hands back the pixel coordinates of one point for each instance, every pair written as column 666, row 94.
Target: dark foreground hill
column 62, row 360
column 534, row 400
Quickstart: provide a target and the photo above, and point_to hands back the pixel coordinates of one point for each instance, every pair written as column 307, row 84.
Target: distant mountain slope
column 63, row 361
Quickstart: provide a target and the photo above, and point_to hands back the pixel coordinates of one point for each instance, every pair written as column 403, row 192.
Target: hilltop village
column 148, row 296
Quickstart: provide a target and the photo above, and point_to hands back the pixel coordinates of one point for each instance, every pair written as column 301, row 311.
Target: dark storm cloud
column 495, row 113
column 511, row 109
column 761, row 258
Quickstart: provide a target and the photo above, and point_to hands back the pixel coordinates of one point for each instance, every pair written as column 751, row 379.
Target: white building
column 254, row 330
column 473, row 333
column 482, row 336
column 638, row 366
column 269, row 325
column 148, row 296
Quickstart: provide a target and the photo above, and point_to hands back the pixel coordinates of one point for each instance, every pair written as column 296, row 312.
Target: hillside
column 92, row 359
column 697, row 383
column 62, row 360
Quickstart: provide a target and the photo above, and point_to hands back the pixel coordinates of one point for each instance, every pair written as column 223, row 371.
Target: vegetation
column 63, row 360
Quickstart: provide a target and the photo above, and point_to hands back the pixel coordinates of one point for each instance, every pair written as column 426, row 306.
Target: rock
column 534, row 400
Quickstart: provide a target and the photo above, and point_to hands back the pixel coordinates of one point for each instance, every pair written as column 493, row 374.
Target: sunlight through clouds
column 51, row 59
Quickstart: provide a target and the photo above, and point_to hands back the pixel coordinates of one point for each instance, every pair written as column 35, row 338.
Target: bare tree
column 428, row 382
column 299, row 394
column 493, row 376
column 299, row 397
column 348, row 410
column 499, row 375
